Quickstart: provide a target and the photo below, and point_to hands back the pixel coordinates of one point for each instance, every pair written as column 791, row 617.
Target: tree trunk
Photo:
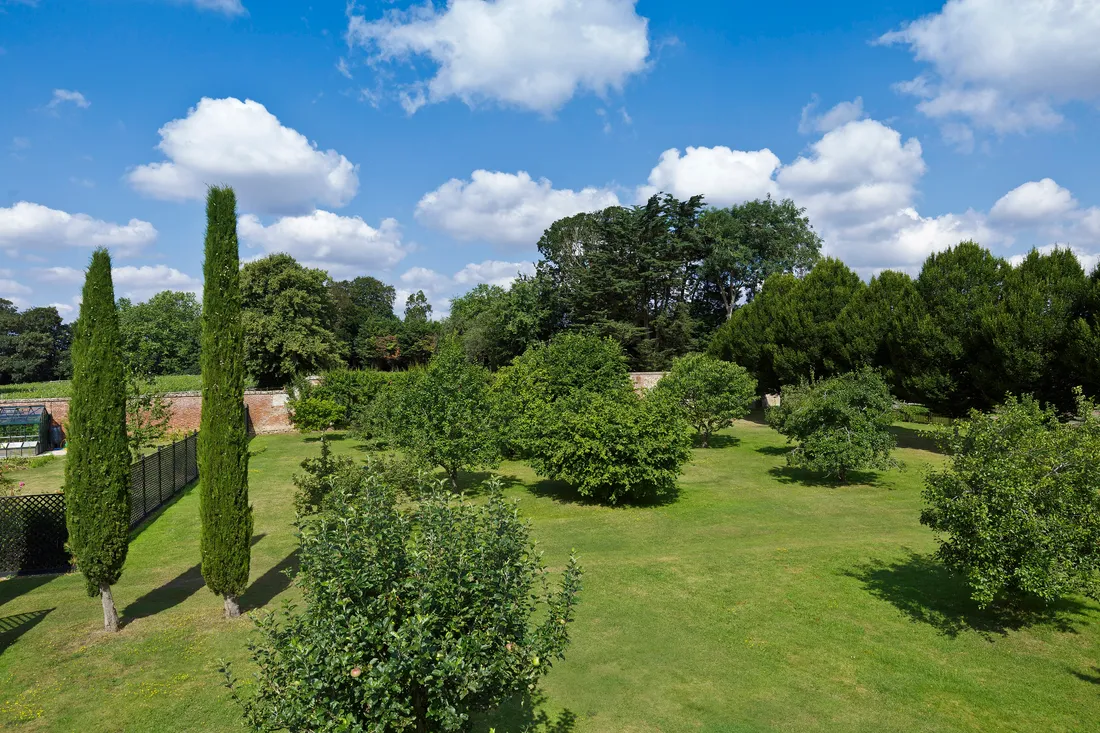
column 420, row 709
column 232, row 607
column 110, row 615
column 706, row 438
column 453, row 473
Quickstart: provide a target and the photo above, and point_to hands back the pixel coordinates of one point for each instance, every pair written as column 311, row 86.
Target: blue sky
column 429, row 145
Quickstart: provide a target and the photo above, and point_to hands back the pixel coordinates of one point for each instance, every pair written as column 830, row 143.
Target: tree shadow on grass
column 927, row 592
column 331, row 437
column 565, row 493
column 907, row 437
column 174, row 592
column 775, row 450
column 277, row 579
column 472, row 483
column 1093, row 676
column 12, row 627
column 718, row 441
column 806, row 477
column 12, row 588
column 521, row 714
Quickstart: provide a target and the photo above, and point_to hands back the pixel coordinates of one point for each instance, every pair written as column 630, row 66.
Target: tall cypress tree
column 97, row 471
column 223, row 441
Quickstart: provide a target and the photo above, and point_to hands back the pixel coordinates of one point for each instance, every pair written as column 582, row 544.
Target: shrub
column 570, row 409
column 320, row 477
column 353, row 390
column 711, row 393
column 443, row 416
column 311, row 413
column 414, row 618
column 1019, row 502
column 841, row 424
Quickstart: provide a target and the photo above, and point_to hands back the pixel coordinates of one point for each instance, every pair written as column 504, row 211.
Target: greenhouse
column 24, row 431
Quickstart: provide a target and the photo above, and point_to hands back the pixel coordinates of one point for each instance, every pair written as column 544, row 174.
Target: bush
column 570, row 409
column 353, row 390
column 711, row 393
column 311, row 413
column 1019, row 503
column 320, row 477
column 413, row 619
column 442, row 416
column 841, row 424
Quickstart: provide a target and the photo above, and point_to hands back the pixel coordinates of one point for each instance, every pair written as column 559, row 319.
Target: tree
column 362, row 313
column 442, row 414
column 748, row 243
column 1026, row 331
column 841, row 424
column 570, row 409
column 418, row 334
column 97, row 470
column 1019, row 503
column 958, row 286
column 414, row 618
column 148, row 413
column 287, row 315
column 34, row 344
column 312, row 413
column 226, row 536
column 162, row 335
column 711, row 393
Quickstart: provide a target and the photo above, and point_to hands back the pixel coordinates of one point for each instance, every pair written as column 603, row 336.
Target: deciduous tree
column 712, row 393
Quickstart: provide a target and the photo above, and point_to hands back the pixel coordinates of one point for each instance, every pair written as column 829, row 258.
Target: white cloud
column 535, row 54
column 440, row 289
column 20, row 143
column 1004, row 65
column 841, row 114
column 493, row 272
column 726, row 176
column 12, row 288
column 273, row 168
column 141, row 283
column 346, row 246
column 505, row 208
column 1035, row 202
column 135, row 283
column 61, row 96
column 1088, row 260
column 32, row 226
column 229, row 7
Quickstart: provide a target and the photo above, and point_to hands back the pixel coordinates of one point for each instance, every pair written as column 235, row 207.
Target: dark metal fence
column 32, row 528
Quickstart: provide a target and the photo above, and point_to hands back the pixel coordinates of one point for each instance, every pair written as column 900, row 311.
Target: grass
column 63, row 388
column 45, row 477
column 761, row 600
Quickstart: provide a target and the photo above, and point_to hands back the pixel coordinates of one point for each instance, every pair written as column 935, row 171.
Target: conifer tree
column 97, row 471
column 225, row 541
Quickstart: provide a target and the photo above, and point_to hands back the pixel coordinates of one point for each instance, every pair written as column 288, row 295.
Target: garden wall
column 645, row 380
column 267, row 410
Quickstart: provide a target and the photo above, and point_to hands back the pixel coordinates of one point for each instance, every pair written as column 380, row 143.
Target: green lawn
column 760, row 600
column 63, row 388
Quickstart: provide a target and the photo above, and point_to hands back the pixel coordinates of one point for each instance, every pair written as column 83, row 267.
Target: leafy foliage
column 841, row 424
column 442, row 414
column 320, row 476
column 414, row 618
column 711, row 393
column 312, row 413
column 34, row 344
column 1019, row 502
column 226, row 536
column 148, row 413
column 97, row 469
column 570, row 409
column 162, row 335
column 287, row 312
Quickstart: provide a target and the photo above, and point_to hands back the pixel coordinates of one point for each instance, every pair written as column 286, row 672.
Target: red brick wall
column 266, row 409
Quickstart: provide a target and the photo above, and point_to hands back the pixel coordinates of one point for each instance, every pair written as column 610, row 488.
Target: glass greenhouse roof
column 30, row 415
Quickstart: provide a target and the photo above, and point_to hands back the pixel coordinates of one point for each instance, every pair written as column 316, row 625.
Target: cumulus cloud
column 273, row 168
column 440, row 289
column 725, row 176
column 63, row 96
column 346, row 246
column 505, row 208
column 532, row 54
column 1004, row 65
column 831, row 119
column 29, row 226
column 136, row 283
column 1035, row 202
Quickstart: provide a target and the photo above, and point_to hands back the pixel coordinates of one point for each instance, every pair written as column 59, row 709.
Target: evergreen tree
column 223, row 441
column 97, row 472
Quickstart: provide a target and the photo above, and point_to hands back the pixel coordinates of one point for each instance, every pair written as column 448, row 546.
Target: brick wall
column 645, row 380
column 266, row 409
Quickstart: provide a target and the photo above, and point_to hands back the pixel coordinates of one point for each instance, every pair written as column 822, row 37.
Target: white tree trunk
column 232, row 607
column 110, row 615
